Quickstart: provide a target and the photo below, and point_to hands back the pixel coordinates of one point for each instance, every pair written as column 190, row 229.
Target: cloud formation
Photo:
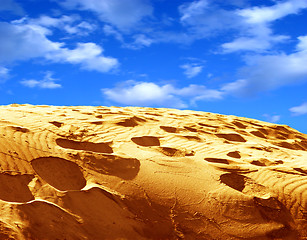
column 124, row 14
column 259, row 15
column 21, row 40
column 192, row 70
column 299, row 110
column 70, row 24
column 48, row 82
column 252, row 25
column 269, row 72
column 11, row 6
column 4, row 74
column 152, row 94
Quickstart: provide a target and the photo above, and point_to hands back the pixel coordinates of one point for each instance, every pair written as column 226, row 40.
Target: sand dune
column 146, row 173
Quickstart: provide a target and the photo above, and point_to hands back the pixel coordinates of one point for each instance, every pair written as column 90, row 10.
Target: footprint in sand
column 217, row 160
column 19, row 129
column 266, row 202
column 60, row 173
column 174, row 152
column 57, row 124
column 169, row 129
column 146, row 141
column 86, row 146
column 234, row 154
column 14, row 188
column 265, row 162
column 233, row 137
column 122, row 167
column 131, row 122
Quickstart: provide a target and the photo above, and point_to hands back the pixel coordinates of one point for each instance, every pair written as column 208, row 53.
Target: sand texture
column 146, row 173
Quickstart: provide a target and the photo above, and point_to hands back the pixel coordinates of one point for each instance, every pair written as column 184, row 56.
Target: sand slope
column 145, row 173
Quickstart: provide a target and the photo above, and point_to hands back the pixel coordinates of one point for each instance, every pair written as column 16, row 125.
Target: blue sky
column 241, row 57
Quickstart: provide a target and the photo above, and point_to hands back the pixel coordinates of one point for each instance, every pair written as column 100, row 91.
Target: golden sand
column 146, row 173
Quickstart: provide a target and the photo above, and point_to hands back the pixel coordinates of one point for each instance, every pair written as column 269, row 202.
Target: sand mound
column 145, row 173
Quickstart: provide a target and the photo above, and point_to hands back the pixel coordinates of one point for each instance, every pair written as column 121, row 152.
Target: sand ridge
column 146, row 173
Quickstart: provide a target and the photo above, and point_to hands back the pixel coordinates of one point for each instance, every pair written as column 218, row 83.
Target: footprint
column 146, row 141
column 86, row 146
column 265, row 162
column 174, row 152
column 131, row 122
column 239, row 125
column 97, row 122
column 57, row 124
column 191, row 129
column 269, row 207
column 245, row 185
column 125, row 168
column 292, row 146
column 233, row 180
column 194, row 138
column 207, row 125
column 14, row 188
column 258, row 134
column 234, row 154
column 59, row 173
column 231, row 137
column 19, row 129
column 45, row 220
column 217, row 160
column 169, row 129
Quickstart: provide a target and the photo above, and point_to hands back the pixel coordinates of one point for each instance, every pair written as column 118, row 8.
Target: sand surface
column 145, row 173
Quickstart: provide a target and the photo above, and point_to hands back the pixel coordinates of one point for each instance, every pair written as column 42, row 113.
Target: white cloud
column 4, row 74
column 302, row 45
column 48, row 82
column 272, row 118
column 299, row 110
column 124, row 14
column 204, row 18
column 252, row 26
column 269, row 72
column 88, row 55
column 23, row 41
column 11, row 6
column 255, row 44
column 255, row 26
column 140, row 41
column 192, row 70
column 256, row 15
column 152, row 94
column 70, row 24
column 111, row 31
column 192, row 9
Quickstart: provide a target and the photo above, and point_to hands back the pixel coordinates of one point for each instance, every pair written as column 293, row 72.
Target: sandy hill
column 146, row 173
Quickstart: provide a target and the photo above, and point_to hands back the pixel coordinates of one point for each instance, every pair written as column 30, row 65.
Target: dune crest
column 148, row 173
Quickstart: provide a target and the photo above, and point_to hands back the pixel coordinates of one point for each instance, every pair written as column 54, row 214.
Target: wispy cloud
column 11, row 6
column 192, row 69
column 269, row 72
column 21, row 40
column 255, row 26
column 272, row 118
column 152, row 94
column 4, row 74
column 123, row 14
column 111, row 31
column 70, row 24
column 259, row 15
column 48, row 82
column 299, row 110
column 252, row 25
